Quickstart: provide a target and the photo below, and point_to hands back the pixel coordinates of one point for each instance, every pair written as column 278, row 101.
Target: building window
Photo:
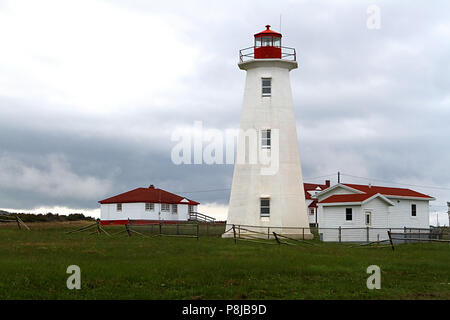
column 191, row 209
column 165, row 207
column 265, row 139
column 174, row 208
column 368, row 218
column 311, row 211
column 266, row 87
column 348, row 214
column 413, row 210
column 265, row 207
column 119, row 207
column 149, row 206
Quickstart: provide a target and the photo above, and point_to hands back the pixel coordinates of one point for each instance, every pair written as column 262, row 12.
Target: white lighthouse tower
column 268, row 196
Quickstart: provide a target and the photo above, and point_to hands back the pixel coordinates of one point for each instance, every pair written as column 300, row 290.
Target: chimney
column 327, row 183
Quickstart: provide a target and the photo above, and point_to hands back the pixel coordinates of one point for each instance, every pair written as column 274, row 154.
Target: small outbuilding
column 353, row 212
column 146, row 205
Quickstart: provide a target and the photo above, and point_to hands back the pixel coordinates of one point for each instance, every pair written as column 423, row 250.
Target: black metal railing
column 249, row 54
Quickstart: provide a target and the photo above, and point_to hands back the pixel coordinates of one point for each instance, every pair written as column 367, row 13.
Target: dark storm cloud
column 371, row 103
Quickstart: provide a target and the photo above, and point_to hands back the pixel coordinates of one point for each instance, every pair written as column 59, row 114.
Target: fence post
column 303, row 233
column 207, row 228
column 18, row 223
column 268, row 233
column 197, row 230
column 340, row 234
column 178, row 228
column 160, row 228
column 234, row 234
column 404, row 235
column 368, row 236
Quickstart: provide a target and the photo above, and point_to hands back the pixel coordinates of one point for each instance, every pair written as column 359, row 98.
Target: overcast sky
column 91, row 91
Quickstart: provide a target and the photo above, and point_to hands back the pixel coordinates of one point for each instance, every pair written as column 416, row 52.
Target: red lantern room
column 267, row 44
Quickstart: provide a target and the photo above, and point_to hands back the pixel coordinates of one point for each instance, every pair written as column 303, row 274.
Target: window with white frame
column 368, row 218
column 311, row 211
column 165, row 207
column 265, row 139
column 191, row 209
column 174, row 208
column 149, row 206
column 266, row 87
column 413, row 210
column 118, row 207
column 348, row 214
column 265, row 207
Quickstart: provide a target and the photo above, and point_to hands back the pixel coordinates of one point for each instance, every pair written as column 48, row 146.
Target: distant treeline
column 48, row 217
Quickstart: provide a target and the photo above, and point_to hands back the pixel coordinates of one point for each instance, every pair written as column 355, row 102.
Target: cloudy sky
column 91, row 92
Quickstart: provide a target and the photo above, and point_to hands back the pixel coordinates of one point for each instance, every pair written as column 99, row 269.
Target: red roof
column 312, row 187
column 388, row 191
column 148, row 195
column 357, row 197
column 267, row 32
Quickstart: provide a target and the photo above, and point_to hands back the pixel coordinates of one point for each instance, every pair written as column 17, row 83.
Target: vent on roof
column 151, row 187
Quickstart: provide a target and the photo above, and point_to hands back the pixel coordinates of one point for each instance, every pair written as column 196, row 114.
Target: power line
column 404, row 184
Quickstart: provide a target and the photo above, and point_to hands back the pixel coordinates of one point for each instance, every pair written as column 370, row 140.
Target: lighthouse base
column 267, row 233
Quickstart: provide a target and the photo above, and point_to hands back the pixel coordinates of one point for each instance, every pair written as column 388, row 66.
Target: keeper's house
column 366, row 212
column 146, row 205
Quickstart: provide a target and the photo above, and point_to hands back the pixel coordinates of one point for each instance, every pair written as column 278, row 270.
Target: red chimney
column 327, row 183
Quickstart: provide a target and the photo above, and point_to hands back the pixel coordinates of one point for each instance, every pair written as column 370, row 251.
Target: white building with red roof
column 146, row 205
column 349, row 206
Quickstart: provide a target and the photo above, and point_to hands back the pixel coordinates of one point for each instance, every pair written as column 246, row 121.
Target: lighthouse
column 267, row 192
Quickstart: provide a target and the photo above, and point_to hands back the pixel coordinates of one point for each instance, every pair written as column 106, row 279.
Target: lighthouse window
column 258, row 42
column 265, row 207
column 266, row 41
column 266, row 87
column 265, row 139
column 276, row 42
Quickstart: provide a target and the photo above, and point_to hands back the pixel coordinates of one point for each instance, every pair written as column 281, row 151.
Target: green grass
column 33, row 266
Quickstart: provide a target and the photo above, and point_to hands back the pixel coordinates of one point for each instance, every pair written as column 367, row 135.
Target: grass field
column 33, row 266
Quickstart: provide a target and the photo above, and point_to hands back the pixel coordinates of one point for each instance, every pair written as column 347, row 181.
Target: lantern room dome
column 267, row 32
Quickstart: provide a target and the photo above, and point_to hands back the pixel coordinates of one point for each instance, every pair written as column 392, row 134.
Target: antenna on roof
column 280, row 23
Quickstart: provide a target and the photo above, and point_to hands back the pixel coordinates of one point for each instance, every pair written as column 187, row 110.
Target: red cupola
column 267, row 44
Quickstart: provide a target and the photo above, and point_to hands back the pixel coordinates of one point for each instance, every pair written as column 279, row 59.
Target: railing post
column 303, row 233
column 234, row 234
column 160, row 228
